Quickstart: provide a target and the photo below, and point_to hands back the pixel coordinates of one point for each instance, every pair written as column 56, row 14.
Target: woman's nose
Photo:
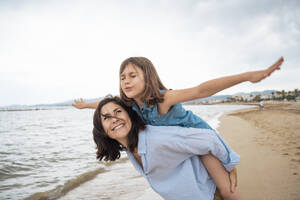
column 114, row 119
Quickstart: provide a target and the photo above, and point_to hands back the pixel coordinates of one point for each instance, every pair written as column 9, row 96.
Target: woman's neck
column 124, row 142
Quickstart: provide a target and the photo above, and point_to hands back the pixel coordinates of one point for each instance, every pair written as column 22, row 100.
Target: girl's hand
column 257, row 76
column 233, row 179
column 80, row 104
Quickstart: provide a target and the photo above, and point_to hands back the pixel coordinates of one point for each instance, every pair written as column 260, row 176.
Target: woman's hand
column 257, row 76
column 80, row 104
column 233, row 179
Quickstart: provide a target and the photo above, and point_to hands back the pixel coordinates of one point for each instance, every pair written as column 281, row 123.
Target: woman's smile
column 117, row 127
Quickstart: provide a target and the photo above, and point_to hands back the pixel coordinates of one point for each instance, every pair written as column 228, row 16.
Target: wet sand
column 120, row 182
column 268, row 141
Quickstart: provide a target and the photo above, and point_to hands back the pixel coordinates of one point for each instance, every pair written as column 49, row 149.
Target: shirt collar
column 136, row 108
column 142, row 145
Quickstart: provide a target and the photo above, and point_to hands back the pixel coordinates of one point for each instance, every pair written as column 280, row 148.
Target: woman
column 167, row 156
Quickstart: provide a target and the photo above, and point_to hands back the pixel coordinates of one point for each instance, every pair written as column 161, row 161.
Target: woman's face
column 116, row 122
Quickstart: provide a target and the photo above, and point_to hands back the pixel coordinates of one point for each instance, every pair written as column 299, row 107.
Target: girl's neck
column 139, row 102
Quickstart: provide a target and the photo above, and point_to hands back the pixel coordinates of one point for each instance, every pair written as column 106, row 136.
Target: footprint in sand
column 295, row 160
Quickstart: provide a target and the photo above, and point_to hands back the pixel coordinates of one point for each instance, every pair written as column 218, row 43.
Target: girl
column 141, row 88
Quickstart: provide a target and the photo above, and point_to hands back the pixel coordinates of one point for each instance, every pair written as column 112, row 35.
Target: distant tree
column 283, row 94
column 290, row 97
column 296, row 92
column 257, row 98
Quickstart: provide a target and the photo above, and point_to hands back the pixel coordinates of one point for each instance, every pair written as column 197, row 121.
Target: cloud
column 76, row 47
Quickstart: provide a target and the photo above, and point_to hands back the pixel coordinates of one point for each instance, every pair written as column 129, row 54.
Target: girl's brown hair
column 153, row 84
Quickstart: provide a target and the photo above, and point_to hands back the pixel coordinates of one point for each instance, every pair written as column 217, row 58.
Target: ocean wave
column 10, row 171
column 61, row 190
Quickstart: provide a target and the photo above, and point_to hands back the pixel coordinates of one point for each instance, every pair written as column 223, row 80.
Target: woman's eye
column 105, row 117
column 118, row 111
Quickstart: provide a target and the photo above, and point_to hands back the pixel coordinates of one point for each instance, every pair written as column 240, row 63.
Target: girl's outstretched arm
column 80, row 104
column 211, row 87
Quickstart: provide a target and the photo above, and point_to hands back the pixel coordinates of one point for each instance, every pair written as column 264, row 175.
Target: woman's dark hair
column 152, row 94
column 109, row 149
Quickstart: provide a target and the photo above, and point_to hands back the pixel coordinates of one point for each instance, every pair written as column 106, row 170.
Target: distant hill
column 59, row 105
column 256, row 92
column 212, row 98
column 70, row 102
column 224, row 97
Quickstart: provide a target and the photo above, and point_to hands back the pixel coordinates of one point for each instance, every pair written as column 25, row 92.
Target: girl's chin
column 129, row 96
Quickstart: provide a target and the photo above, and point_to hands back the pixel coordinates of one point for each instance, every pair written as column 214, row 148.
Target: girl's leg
column 220, row 176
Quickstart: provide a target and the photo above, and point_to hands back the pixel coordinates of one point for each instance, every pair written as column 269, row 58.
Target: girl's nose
column 126, row 81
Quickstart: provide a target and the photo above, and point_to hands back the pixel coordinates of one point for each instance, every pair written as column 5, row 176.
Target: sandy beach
column 268, row 141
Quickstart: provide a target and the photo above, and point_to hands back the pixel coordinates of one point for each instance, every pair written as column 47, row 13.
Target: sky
column 57, row 50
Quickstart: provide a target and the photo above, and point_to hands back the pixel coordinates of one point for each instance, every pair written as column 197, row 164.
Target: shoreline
column 268, row 142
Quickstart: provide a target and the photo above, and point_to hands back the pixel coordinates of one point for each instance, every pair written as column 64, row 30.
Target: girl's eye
column 118, row 111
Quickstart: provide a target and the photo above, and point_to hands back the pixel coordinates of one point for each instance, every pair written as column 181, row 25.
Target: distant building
column 266, row 96
column 247, row 97
column 244, row 97
column 277, row 95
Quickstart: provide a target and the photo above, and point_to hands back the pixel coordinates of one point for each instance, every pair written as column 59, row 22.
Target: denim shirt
column 171, row 163
column 176, row 116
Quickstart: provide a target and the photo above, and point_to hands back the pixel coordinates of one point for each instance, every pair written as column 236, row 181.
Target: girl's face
column 116, row 122
column 132, row 81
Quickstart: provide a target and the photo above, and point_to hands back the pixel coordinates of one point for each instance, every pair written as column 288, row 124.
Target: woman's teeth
column 117, row 127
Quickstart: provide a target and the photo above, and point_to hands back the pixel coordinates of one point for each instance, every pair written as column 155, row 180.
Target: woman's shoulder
column 162, row 131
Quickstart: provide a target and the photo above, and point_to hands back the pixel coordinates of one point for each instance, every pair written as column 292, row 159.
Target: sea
column 47, row 153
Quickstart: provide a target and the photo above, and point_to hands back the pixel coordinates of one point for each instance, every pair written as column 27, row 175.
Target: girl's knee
column 227, row 194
